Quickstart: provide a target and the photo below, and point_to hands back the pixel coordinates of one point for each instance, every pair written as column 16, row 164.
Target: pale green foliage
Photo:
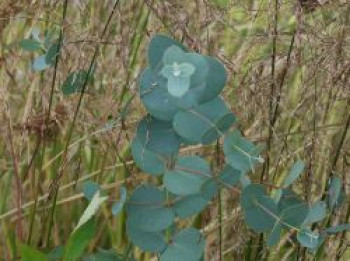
column 91, row 210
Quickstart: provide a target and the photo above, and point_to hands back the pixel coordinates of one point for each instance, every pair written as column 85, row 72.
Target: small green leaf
column 295, row 172
column 91, row 209
column 317, row 212
column 30, row 45
column 240, row 153
column 52, row 53
column 118, row 206
column 74, row 82
column 188, row 244
column 29, row 254
column 148, row 211
column 89, row 189
column 40, row 64
column 308, row 239
column 78, row 241
column 188, row 176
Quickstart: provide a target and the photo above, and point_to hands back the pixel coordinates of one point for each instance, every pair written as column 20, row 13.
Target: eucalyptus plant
column 181, row 93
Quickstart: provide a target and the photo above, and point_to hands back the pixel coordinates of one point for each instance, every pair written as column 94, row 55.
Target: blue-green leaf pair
column 150, row 214
column 177, row 79
column 263, row 214
column 156, row 144
column 240, row 153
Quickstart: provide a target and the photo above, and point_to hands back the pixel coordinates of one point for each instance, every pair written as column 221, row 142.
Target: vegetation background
column 289, row 85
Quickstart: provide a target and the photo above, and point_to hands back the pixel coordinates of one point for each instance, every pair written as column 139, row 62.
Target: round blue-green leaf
column 205, row 123
column 179, row 78
column 187, row 206
column 148, row 161
column 158, row 136
column 317, row 212
column 155, row 96
column 215, row 81
column 147, row 241
column 188, row 245
column 229, row 175
column 307, row 238
column 240, row 153
column 262, row 217
column 188, row 176
column 196, row 65
column 157, row 47
column 250, row 194
column 294, row 215
column 147, row 209
column 260, row 211
column 207, row 81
